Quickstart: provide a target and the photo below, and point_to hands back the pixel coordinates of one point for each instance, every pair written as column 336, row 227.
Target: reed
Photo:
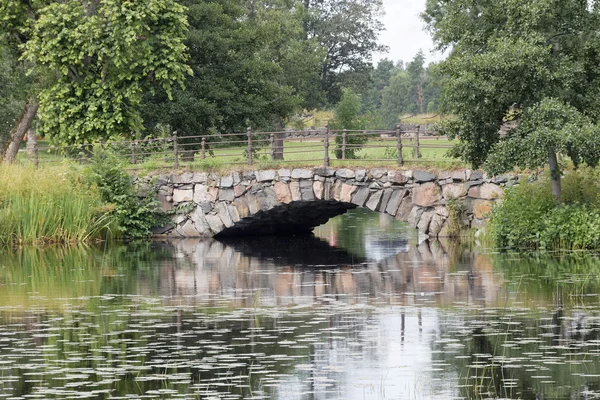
column 52, row 205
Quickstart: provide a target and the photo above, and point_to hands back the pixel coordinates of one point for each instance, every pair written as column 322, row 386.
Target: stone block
column 184, row 179
column 199, row 219
column 267, row 199
column 306, row 190
column 282, row 191
column 319, row 188
column 226, row 181
column 284, row 173
column 215, row 223
column 454, row 191
column 345, row 173
column 425, row 221
column 459, row 175
column 327, row 191
column 442, row 211
column 487, row 191
column 397, row 177
column 436, row 224
column 248, row 175
column 378, row 173
column 226, row 195
column 241, row 205
column 423, row 176
column 406, row 207
column 239, row 190
column 360, row 175
column 221, row 210
column 476, row 176
column 415, row 216
column 295, row 190
column 324, row 171
column 394, row 202
column 347, row 192
column 374, row 200
column 336, row 190
column 361, row 196
column 165, row 205
column 182, row 196
column 237, row 179
column 268, row 175
column 482, row 208
column 233, row 213
column 302, row 174
column 253, row 204
column 385, row 199
column 187, row 230
column 426, row 195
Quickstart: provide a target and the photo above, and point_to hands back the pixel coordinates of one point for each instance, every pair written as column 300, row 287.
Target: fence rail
column 397, row 146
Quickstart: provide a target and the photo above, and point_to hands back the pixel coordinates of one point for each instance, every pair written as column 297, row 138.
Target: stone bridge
column 288, row 201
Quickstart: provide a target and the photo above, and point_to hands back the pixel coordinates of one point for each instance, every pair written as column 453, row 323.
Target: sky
column 404, row 33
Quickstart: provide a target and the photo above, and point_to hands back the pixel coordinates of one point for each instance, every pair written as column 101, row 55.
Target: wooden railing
column 322, row 147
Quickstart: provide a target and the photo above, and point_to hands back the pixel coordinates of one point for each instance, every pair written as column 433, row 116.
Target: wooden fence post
column 249, row 150
column 326, row 146
column 272, row 146
column 417, row 144
column 133, row 159
column 203, row 148
column 399, row 147
column 175, row 151
column 344, row 143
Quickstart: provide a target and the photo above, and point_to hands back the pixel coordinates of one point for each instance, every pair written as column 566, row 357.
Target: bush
column 135, row 216
column 530, row 218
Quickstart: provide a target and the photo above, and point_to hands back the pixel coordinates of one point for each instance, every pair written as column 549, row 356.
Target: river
column 364, row 309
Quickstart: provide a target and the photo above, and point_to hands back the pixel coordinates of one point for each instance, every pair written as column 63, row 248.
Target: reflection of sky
column 382, row 361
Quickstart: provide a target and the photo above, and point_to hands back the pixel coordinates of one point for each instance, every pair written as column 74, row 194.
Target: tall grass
column 51, row 205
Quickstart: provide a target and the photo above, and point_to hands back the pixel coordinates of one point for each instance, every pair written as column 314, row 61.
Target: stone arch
column 297, row 200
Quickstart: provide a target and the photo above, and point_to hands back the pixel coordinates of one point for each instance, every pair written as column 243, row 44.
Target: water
column 361, row 311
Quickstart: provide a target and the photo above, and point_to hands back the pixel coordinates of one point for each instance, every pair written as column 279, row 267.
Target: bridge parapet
column 297, row 200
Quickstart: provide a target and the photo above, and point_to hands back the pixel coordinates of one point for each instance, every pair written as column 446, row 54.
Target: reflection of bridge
column 292, row 201
column 424, row 274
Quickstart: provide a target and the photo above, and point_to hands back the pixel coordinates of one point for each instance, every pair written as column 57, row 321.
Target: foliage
column 529, row 217
column 98, row 58
column 135, row 215
column 456, row 212
column 13, row 84
column 513, row 59
column 50, row 206
column 348, row 116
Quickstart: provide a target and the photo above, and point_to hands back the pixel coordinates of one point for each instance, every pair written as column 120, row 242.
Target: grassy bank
column 50, row 205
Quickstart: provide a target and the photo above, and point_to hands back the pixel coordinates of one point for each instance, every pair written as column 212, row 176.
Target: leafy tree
column 13, row 84
column 348, row 30
column 537, row 61
column 92, row 61
column 348, row 116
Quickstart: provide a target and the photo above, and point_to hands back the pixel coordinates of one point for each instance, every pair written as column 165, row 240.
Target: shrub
column 135, row 216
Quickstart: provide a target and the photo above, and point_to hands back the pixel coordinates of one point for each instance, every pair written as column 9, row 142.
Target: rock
column 241, row 205
column 267, row 199
column 226, row 195
column 226, row 181
column 500, row 179
column 165, row 205
column 423, row 176
column 284, row 173
column 240, row 190
column 187, row 230
column 476, row 176
column 406, row 206
column 206, row 206
column 360, row 175
column 435, row 227
column 327, row 191
column 409, row 174
column 387, row 194
column 374, row 200
column 415, row 216
column 425, row 221
column 361, row 196
column 345, row 173
column 318, row 188
column 482, row 208
column 302, row 174
column 442, row 211
column 182, row 196
column 215, row 223
column 306, row 190
column 282, row 191
column 266, row 176
column 456, row 175
column 236, row 178
column 185, row 178
column 445, row 231
column 377, row 173
column 394, row 202
column 253, row 204
column 324, row 171
column 487, row 191
column 233, row 213
column 214, row 192
column 397, row 177
column 346, row 193
column 248, row 175
column 199, row 220
column 454, row 191
column 222, row 212
column 295, row 190
column 426, row 195
column 337, row 190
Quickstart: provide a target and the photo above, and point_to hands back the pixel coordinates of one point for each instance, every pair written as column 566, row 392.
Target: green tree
column 92, row 61
column 348, row 116
column 13, row 89
column 537, row 61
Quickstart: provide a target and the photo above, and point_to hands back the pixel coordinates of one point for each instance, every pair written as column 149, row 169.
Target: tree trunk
column 16, row 136
column 554, row 174
column 278, row 142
